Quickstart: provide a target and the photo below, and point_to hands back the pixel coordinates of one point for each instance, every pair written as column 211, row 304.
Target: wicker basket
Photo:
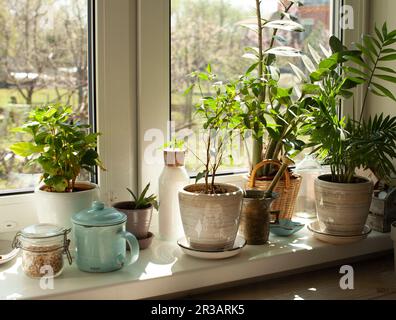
column 287, row 188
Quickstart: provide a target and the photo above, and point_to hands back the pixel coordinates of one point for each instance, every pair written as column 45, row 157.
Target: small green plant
column 174, row 144
column 60, row 146
column 143, row 202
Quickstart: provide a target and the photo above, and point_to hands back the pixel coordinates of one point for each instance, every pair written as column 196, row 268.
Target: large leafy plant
column 346, row 143
column 271, row 112
column 59, row 145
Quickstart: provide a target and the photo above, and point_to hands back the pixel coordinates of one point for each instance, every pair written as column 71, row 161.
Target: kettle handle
column 133, row 246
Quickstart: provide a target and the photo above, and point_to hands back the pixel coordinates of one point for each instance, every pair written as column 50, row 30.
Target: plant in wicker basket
column 272, row 113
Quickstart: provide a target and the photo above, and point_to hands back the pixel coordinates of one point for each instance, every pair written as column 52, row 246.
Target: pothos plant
column 349, row 142
column 218, row 114
column 61, row 146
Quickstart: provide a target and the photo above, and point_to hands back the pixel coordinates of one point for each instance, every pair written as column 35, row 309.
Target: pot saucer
column 146, row 242
column 239, row 243
column 337, row 239
column 7, row 253
column 285, row 228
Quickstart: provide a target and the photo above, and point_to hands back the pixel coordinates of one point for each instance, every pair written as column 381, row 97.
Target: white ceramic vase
column 343, row 208
column 210, row 222
column 174, row 177
column 58, row 208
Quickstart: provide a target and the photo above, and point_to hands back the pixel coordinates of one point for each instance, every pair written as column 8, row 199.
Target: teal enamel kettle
column 99, row 235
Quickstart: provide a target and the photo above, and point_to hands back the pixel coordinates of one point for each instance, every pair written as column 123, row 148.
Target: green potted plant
column 272, row 113
column 348, row 143
column 139, row 213
column 62, row 148
column 210, row 211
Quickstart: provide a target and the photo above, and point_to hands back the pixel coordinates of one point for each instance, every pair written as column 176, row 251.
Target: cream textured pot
column 210, row 222
column 343, row 208
column 58, row 208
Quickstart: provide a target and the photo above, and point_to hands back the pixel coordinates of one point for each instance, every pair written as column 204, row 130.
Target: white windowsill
column 164, row 269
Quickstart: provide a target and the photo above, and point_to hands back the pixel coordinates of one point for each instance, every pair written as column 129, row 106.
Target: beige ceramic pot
column 343, row 208
column 210, row 222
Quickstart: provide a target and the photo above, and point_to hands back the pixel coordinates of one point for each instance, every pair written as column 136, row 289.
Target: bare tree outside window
column 43, row 59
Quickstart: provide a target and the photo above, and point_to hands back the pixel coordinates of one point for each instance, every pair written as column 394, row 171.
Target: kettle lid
column 99, row 216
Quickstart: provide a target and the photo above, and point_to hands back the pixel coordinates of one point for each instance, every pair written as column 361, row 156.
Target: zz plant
column 60, row 146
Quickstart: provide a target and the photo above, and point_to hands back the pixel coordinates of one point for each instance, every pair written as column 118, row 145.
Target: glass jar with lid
column 43, row 247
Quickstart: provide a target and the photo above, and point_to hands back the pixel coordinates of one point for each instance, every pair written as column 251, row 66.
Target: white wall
column 381, row 11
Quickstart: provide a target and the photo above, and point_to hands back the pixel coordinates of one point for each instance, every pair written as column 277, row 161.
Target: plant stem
column 368, row 86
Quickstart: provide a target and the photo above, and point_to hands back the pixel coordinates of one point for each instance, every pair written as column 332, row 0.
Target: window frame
column 114, row 107
column 132, row 60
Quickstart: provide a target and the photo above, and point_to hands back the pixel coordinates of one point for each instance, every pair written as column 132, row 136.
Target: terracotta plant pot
column 343, row 208
column 138, row 220
column 256, row 216
column 210, row 222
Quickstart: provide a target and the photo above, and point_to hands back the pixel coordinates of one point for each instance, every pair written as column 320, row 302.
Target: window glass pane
column 44, row 59
column 207, row 31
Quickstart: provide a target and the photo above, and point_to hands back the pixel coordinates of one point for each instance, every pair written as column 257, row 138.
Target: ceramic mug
column 103, row 248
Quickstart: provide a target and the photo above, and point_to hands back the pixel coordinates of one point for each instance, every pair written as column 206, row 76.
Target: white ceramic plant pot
column 393, row 236
column 210, row 222
column 58, row 208
column 343, row 208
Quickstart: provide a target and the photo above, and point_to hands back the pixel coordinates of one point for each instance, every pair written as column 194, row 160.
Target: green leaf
column 200, row 176
column 308, row 63
column 384, row 90
column 336, row 44
column 387, row 69
column 315, row 55
column 385, row 30
column 369, row 43
column 188, row 90
column 300, row 75
column 358, row 61
column 89, row 158
column 357, row 72
column 389, row 42
column 284, row 51
column 310, row 89
column 385, row 77
column 286, row 25
column 132, row 194
column 209, row 68
column 318, row 75
column 203, row 76
column 390, row 57
column 252, row 67
column 379, row 35
column 26, row 149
